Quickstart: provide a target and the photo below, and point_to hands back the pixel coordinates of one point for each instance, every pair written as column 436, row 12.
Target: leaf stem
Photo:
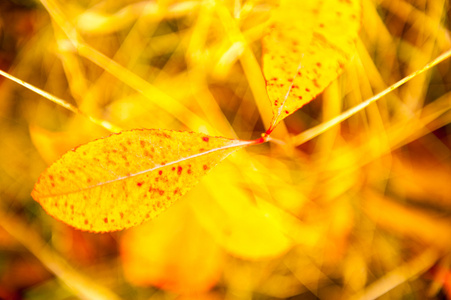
column 271, row 128
column 263, row 139
column 317, row 130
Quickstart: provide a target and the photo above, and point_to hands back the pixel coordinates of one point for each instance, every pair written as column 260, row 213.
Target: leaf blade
column 127, row 178
column 305, row 49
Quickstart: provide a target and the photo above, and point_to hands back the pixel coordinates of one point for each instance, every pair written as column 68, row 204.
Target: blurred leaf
column 305, row 49
column 425, row 180
column 173, row 253
column 236, row 223
column 125, row 179
column 20, row 272
column 407, row 221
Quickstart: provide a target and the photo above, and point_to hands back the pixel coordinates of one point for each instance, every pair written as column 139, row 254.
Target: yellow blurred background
column 362, row 211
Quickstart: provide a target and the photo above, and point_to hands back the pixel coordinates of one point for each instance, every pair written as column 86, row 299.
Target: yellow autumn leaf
column 305, row 49
column 127, row 178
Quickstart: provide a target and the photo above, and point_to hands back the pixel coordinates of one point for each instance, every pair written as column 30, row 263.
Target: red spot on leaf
column 105, row 220
column 165, row 135
column 179, row 170
column 315, row 82
column 160, row 172
column 205, row 138
column 205, row 167
column 140, row 183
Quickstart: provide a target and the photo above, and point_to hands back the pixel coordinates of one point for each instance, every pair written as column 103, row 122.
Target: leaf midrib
column 239, row 144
